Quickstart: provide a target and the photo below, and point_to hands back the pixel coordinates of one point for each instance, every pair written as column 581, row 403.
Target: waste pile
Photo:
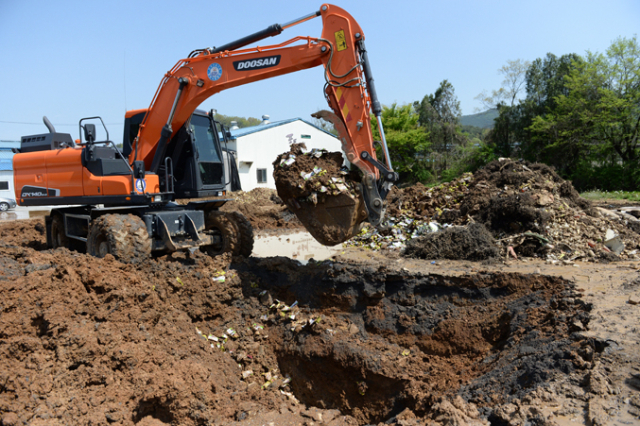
column 528, row 208
column 325, row 197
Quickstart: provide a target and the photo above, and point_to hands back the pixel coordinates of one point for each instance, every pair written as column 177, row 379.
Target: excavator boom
column 349, row 91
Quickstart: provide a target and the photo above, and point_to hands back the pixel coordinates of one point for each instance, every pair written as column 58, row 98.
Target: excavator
column 123, row 201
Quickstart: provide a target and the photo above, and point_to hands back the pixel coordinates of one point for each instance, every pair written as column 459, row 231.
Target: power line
column 57, row 124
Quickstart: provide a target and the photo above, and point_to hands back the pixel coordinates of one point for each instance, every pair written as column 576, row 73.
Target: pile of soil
column 471, row 242
column 262, row 207
column 525, row 206
column 192, row 340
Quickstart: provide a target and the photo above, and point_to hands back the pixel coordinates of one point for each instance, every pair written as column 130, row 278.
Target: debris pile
column 528, row 208
column 325, row 197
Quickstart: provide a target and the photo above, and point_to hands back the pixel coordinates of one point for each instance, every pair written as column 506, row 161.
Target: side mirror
column 90, row 132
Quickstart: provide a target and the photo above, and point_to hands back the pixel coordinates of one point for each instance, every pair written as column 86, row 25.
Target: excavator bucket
column 333, row 221
column 327, row 199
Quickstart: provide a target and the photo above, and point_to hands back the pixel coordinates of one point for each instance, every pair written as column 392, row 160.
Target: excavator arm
column 349, row 89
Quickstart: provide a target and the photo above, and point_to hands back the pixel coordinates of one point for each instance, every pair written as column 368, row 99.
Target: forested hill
column 484, row 120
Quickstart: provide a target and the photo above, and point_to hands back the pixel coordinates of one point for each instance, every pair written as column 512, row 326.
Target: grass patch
column 611, row 195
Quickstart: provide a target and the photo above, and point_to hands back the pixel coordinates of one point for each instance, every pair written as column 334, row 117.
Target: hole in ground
column 393, row 340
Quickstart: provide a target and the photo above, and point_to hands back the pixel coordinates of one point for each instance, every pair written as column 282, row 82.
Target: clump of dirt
column 471, row 242
column 192, row 340
column 325, row 198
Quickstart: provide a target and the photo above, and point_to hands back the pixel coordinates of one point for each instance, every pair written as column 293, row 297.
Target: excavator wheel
column 221, row 223
column 245, row 234
column 58, row 236
column 235, row 231
column 125, row 237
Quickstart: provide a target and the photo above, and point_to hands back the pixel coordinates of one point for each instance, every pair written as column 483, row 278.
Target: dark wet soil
column 472, row 242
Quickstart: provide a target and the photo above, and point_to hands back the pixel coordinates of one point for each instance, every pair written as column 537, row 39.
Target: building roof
column 235, row 134
column 6, row 160
column 9, row 144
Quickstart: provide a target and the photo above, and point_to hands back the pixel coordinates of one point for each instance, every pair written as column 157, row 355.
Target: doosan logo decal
column 37, row 191
column 256, row 64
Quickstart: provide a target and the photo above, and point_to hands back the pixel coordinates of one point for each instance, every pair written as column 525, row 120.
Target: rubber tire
column 58, row 236
column 125, row 237
column 4, row 207
column 245, row 232
column 221, row 223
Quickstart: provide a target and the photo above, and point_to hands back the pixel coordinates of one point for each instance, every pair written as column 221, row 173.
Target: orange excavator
column 121, row 202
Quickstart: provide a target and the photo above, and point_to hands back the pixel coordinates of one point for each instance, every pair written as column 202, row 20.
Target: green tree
column 545, row 81
column 408, row 143
column 439, row 113
column 596, row 123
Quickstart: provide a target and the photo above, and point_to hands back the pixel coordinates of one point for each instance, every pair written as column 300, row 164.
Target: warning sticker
column 341, row 41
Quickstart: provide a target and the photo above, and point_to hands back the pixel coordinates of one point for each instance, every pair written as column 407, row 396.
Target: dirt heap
column 324, row 197
column 190, row 340
column 471, row 242
column 525, row 206
column 262, row 207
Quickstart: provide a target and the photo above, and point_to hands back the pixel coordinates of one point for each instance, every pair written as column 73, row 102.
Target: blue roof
column 9, row 144
column 260, row 127
column 6, row 160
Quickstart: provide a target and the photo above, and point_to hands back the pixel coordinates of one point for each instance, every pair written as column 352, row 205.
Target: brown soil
column 191, row 340
column 264, row 209
column 367, row 338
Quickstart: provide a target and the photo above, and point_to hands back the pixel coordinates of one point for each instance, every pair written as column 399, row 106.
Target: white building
column 257, row 147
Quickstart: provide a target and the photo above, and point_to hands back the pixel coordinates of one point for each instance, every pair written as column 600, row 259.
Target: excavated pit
column 390, row 341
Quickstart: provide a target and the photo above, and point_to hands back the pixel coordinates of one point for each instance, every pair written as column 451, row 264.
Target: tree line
column 580, row 114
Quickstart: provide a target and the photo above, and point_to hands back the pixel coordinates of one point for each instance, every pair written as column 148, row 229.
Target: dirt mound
column 471, row 242
column 525, row 206
column 187, row 339
column 325, row 198
column 262, row 207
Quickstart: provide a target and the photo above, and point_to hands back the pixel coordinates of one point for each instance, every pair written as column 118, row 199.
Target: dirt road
column 365, row 338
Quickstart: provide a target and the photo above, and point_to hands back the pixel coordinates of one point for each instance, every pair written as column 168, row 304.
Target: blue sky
column 71, row 59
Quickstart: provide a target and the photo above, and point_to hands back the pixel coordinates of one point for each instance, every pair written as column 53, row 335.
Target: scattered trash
column 613, row 242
